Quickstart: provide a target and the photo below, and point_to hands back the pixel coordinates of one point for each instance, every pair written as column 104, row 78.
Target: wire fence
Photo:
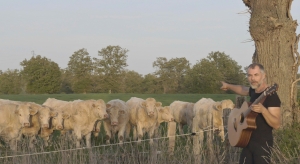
column 107, row 145
column 166, row 148
column 63, row 151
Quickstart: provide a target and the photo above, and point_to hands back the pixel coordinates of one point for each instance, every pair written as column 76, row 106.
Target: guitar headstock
column 272, row 89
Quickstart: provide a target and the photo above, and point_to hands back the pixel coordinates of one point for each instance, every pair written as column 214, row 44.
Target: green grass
column 165, row 99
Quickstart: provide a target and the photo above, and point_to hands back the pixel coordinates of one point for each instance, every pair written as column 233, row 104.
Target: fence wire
column 107, row 145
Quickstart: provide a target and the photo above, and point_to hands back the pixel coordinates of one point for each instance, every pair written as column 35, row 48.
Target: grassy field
column 165, row 99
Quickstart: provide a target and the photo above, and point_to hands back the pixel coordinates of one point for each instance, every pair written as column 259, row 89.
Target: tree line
column 108, row 74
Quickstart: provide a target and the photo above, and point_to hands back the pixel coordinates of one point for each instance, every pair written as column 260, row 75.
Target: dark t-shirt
column 263, row 132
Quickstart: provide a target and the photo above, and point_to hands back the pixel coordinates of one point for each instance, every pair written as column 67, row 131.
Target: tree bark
column 276, row 44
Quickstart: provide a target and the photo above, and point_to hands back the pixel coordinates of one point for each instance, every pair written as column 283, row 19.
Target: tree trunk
column 276, row 43
column 165, row 88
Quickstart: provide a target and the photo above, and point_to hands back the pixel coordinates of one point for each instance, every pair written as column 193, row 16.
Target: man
column 258, row 149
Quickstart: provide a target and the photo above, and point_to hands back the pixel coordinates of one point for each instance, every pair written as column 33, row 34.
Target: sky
column 147, row 28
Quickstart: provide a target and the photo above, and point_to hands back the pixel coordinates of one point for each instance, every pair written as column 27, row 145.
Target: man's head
column 256, row 75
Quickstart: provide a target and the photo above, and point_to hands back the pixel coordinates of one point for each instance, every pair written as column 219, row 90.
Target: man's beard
column 257, row 85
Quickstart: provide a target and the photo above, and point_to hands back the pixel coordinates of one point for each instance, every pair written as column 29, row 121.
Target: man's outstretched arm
column 238, row 89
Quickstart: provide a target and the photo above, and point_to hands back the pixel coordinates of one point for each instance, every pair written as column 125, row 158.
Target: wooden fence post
column 197, row 141
column 171, row 135
column 239, row 100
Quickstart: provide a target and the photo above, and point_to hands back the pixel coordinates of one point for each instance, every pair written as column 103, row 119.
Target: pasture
column 62, row 149
column 165, row 99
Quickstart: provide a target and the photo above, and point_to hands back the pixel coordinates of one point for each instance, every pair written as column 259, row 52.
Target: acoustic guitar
column 241, row 122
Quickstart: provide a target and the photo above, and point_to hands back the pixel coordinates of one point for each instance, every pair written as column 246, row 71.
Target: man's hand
column 238, row 89
column 258, row 108
column 224, row 86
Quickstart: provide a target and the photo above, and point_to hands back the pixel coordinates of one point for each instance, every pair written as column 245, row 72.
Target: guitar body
column 240, row 125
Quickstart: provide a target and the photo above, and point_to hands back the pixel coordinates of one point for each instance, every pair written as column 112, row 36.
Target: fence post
column 197, row 141
column 239, row 100
column 171, row 136
column 153, row 151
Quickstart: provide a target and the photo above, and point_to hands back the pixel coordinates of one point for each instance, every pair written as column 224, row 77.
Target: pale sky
column 147, row 28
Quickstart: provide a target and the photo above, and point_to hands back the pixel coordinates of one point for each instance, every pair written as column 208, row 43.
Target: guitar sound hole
column 235, row 124
column 242, row 118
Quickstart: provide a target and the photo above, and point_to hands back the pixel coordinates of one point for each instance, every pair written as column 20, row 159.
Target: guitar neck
column 255, row 102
